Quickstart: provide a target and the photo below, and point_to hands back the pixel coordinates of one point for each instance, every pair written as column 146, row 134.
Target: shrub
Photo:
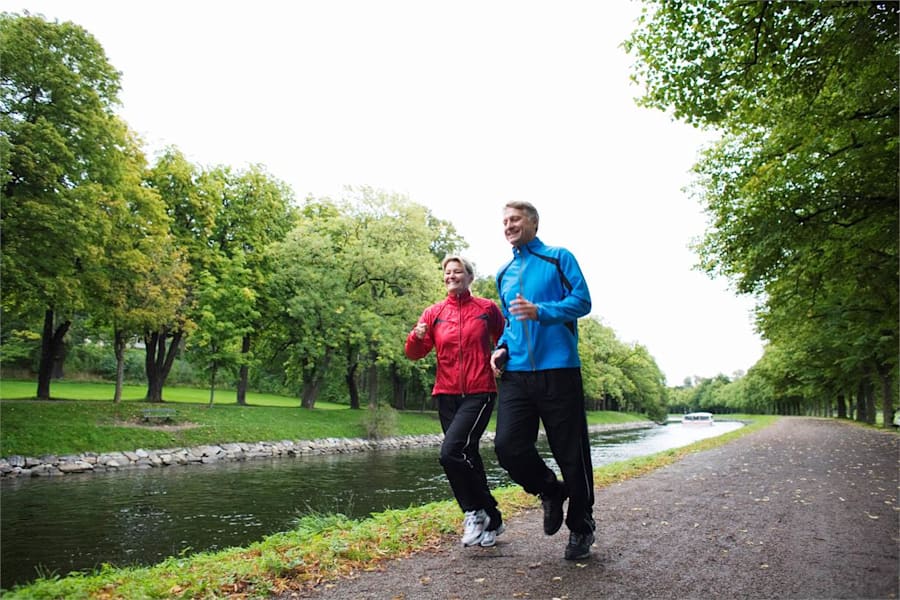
column 381, row 421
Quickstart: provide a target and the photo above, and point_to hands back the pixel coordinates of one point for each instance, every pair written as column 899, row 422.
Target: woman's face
column 456, row 279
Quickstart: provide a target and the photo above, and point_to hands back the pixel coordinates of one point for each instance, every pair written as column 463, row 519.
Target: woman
column 463, row 330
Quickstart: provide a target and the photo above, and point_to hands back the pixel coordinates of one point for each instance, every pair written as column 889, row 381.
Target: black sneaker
column 579, row 545
column 553, row 510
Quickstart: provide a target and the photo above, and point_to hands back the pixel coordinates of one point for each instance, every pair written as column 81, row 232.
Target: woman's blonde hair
column 465, row 263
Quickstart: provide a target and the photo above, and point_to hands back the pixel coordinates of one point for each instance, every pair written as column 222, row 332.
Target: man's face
column 517, row 227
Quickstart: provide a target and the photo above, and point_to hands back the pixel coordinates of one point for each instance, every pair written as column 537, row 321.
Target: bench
column 161, row 415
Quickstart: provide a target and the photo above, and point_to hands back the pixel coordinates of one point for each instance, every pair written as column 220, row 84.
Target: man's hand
column 420, row 330
column 523, row 309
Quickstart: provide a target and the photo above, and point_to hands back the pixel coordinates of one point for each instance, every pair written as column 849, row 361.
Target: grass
column 320, row 548
column 84, row 419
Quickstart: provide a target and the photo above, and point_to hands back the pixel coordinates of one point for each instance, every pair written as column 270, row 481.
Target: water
column 140, row 517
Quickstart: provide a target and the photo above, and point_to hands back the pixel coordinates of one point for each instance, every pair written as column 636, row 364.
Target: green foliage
column 350, row 280
column 618, row 376
column 381, row 421
column 214, row 269
column 801, row 190
column 20, row 347
column 486, row 287
column 71, row 178
column 96, row 361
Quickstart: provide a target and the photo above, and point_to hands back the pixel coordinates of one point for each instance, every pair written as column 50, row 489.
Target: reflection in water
column 143, row 516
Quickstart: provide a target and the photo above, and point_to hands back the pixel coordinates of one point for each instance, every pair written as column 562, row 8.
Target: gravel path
column 806, row 508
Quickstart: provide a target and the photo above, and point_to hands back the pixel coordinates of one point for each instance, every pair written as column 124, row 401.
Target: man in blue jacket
column 542, row 294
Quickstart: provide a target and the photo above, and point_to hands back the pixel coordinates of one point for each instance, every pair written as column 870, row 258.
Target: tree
column 224, row 315
column 802, row 188
column 391, row 279
column 192, row 219
column 618, row 376
column 140, row 279
column 64, row 154
column 254, row 211
column 351, row 279
column 312, row 316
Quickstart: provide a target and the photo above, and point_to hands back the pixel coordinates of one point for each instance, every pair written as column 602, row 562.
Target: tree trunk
column 861, row 400
column 119, row 349
column 841, row 407
column 373, row 385
column 313, row 385
column 244, row 372
column 350, row 378
column 51, row 352
column 158, row 361
column 870, row 400
column 212, row 385
column 887, row 398
column 310, row 393
column 399, row 389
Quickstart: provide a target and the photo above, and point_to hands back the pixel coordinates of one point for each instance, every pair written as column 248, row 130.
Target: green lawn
column 84, row 419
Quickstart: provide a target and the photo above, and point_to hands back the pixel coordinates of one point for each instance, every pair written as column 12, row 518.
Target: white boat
column 697, row 418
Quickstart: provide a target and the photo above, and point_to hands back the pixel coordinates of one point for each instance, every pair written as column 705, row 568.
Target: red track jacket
column 464, row 330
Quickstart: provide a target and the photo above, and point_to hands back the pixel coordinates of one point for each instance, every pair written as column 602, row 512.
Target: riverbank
column 92, row 462
column 805, row 508
column 321, row 546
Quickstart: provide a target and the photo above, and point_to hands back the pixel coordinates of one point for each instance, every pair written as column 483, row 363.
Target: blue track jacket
column 550, row 278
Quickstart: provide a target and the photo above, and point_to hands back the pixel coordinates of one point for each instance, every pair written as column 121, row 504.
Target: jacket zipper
column 462, row 370
column 526, row 325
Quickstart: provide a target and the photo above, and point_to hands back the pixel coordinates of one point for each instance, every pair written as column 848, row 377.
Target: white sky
column 461, row 106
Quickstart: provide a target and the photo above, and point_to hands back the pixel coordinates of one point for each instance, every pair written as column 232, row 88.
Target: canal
column 139, row 517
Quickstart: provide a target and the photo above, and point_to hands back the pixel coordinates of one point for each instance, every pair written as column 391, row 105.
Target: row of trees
column 802, row 188
column 217, row 264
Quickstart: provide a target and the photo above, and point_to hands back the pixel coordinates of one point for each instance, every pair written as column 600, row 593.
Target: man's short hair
column 526, row 207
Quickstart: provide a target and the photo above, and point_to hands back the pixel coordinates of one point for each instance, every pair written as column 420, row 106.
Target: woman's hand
column 498, row 361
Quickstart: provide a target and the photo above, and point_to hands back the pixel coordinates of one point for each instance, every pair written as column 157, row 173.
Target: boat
column 697, row 418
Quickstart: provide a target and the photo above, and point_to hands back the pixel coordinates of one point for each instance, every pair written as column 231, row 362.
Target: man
column 542, row 294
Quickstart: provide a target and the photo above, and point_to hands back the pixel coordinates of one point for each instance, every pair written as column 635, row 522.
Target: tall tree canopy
column 350, row 281
column 802, row 189
column 69, row 166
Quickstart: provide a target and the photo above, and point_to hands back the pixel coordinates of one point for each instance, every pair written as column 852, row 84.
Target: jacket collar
column 530, row 247
column 460, row 298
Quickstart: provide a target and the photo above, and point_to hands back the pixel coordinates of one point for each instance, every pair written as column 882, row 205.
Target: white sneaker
column 473, row 527
column 490, row 537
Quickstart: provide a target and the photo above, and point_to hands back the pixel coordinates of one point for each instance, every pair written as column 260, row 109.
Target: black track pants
column 555, row 398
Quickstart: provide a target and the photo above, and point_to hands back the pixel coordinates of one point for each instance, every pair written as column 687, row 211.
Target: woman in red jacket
column 463, row 329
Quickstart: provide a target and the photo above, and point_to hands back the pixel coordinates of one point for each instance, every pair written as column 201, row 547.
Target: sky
column 459, row 106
